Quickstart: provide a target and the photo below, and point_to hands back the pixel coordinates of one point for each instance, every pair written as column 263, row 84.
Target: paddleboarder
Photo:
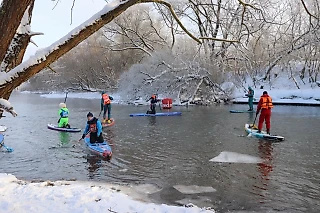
column 106, row 106
column 265, row 105
column 250, row 98
column 64, row 116
column 93, row 127
column 153, row 101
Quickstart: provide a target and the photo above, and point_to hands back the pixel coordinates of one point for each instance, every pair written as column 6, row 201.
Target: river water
column 169, row 157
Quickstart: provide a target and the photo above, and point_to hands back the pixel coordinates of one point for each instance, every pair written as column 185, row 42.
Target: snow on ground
column 282, row 90
column 293, row 96
column 75, row 196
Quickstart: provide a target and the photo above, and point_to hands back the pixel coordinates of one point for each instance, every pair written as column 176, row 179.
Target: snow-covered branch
column 45, row 57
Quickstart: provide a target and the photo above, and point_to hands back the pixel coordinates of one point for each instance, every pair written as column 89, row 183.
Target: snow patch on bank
column 281, row 90
column 75, row 196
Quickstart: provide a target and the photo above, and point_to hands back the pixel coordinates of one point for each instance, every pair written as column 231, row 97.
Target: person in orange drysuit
column 265, row 105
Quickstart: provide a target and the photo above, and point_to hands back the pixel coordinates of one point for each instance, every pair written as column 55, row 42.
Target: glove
column 83, row 136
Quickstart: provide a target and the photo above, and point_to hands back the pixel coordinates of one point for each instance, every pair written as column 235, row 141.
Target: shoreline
column 293, row 103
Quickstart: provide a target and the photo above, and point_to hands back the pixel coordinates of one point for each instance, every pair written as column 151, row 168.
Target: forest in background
column 145, row 50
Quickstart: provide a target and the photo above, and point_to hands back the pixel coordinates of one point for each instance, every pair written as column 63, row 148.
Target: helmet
column 103, row 92
column 62, row 105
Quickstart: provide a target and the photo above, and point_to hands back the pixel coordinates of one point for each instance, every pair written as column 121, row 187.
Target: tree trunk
column 11, row 13
column 26, row 70
column 18, row 45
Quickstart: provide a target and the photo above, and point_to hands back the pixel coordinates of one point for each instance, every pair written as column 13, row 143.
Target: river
column 169, row 156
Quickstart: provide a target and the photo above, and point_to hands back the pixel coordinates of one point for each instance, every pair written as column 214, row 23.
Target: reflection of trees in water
column 94, row 164
column 64, row 138
column 265, row 167
column 109, row 136
column 152, row 120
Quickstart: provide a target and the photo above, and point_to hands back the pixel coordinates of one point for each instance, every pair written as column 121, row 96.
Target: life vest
column 64, row 113
column 106, row 99
column 266, row 102
column 153, row 99
column 93, row 124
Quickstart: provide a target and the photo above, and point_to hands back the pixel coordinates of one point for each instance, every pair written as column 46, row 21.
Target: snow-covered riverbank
column 307, row 96
column 75, row 196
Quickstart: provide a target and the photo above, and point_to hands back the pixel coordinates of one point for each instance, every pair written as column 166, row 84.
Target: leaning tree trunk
column 11, row 13
column 26, row 70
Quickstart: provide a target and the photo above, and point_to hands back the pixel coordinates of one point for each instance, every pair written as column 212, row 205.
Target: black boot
column 268, row 131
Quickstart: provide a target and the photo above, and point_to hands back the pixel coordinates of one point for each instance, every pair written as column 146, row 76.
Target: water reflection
column 265, row 168
column 152, row 120
column 64, row 138
column 93, row 168
column 109, row 136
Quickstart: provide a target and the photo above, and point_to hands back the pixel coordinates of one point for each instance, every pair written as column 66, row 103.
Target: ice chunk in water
column 233, row 157
column 193, row 189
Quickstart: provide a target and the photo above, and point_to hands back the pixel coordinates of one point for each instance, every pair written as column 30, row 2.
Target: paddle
column 254, row 122
column 85, row 134
column 8, row 148
column 2, row 144
column 65, row 99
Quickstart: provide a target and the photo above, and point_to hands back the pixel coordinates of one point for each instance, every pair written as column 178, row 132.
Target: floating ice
column 233, row 157
column 194, row 189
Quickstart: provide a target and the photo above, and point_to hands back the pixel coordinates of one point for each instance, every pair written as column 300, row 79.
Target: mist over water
column 202, row 157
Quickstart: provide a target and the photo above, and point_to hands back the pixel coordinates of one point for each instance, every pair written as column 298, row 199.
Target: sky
column 55, row 23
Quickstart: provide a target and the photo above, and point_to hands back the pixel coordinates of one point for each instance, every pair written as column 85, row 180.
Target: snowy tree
column 171, row 76
column 16, row 33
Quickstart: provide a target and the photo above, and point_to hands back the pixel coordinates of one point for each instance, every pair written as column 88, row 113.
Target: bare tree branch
column 175, row 17
column 306, row 9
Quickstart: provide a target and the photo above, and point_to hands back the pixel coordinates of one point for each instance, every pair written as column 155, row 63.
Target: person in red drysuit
column 265, row 105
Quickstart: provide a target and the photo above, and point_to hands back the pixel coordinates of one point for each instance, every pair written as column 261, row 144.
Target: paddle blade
column 253, row 126
column 8, row 148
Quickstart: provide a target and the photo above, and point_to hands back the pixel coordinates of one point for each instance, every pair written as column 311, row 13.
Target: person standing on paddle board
column 95, row 128
column 250, row 98
column 64, row 116
column 153, row 101
column 106, row 105
column 265, row 105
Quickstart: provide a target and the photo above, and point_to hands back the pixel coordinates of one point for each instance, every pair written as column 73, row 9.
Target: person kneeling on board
column 153, row 101
column 64, row 113
column 95, row 128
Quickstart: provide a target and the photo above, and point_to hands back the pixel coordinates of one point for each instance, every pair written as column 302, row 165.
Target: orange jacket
column 106, row 99
column 265, row 102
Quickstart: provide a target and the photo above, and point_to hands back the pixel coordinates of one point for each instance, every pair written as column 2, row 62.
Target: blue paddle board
column 157, row 114
column 241, row 111
column 1, row 138
column 101, row 149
